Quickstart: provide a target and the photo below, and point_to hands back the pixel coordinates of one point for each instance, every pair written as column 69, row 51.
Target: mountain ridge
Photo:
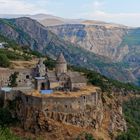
column 26, row 31
column 44, row 18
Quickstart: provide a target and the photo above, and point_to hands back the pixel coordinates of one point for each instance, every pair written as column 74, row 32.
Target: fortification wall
column 70, row 104
column 81, row 111
column 60, row 104
column 24, row 76
column 9, row 96
column 4, row 76
column 75, row 110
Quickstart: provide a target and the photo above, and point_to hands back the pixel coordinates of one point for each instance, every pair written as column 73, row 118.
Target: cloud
column 129, row 19
column 94, row 5
column 114, row 15
column 97, row 5
column 96, row 11
column 21, row 7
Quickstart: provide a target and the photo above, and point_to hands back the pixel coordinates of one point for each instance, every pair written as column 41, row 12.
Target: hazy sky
column 118, row 11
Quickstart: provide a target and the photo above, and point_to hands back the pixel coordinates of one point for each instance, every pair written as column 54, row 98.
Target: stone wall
column 24, row 76
column 78, row 85
column 70, row 104
column 74, row 110
column 4, row 76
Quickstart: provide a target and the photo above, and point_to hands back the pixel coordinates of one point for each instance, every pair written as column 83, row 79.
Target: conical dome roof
column 40, row 61
column 61, row 59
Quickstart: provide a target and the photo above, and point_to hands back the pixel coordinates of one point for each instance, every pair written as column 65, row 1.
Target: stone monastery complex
column 43, row 96
column 40, row 78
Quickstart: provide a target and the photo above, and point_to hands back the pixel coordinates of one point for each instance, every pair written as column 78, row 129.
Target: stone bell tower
column 61, row 64
column 41, row 68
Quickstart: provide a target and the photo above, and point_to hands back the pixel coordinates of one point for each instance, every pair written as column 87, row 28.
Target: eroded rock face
column 95, row 111
column 101, row 40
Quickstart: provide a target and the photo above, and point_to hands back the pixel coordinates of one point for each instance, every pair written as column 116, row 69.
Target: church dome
column 61, row 59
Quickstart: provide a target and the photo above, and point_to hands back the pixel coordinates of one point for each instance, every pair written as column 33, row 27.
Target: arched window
column 42, row 86
column 27, row 77
column 66, row 106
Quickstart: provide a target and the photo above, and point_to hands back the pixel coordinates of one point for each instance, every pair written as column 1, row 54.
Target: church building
column 59, row 79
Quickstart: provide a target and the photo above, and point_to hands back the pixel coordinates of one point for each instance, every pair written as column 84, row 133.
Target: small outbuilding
column 41, row 83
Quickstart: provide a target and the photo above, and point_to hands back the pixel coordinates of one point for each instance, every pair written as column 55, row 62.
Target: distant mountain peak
column 51, row 20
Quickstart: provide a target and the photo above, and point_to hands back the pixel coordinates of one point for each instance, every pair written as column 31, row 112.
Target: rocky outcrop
column 101, row 40
column 118, row 43
column 97, row 113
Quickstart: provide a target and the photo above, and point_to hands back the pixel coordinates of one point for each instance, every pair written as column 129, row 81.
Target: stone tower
column 41, row 68
column 61, row 64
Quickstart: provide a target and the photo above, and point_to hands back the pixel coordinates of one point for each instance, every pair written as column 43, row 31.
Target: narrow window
column 27, row 77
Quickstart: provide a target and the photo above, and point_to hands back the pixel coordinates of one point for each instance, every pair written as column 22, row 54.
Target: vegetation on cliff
column 131, row 111
column 106, row 84
column 132, row 38
column 6, row 120
column 85, row 136
column 13, row 51
column 7, row 55
column 13, row 79
column 4, row 61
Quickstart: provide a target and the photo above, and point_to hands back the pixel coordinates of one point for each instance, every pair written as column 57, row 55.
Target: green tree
column 131, row 109
column 89, row 137
column 13, row 79
column 5, row 117
column 4, row 61
column 85, row 136
column 50, row 63
column 7, row 120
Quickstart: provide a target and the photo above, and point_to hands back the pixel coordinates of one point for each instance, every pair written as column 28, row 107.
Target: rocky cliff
column 100, row 39
column 118, row 43
column 97, row 113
